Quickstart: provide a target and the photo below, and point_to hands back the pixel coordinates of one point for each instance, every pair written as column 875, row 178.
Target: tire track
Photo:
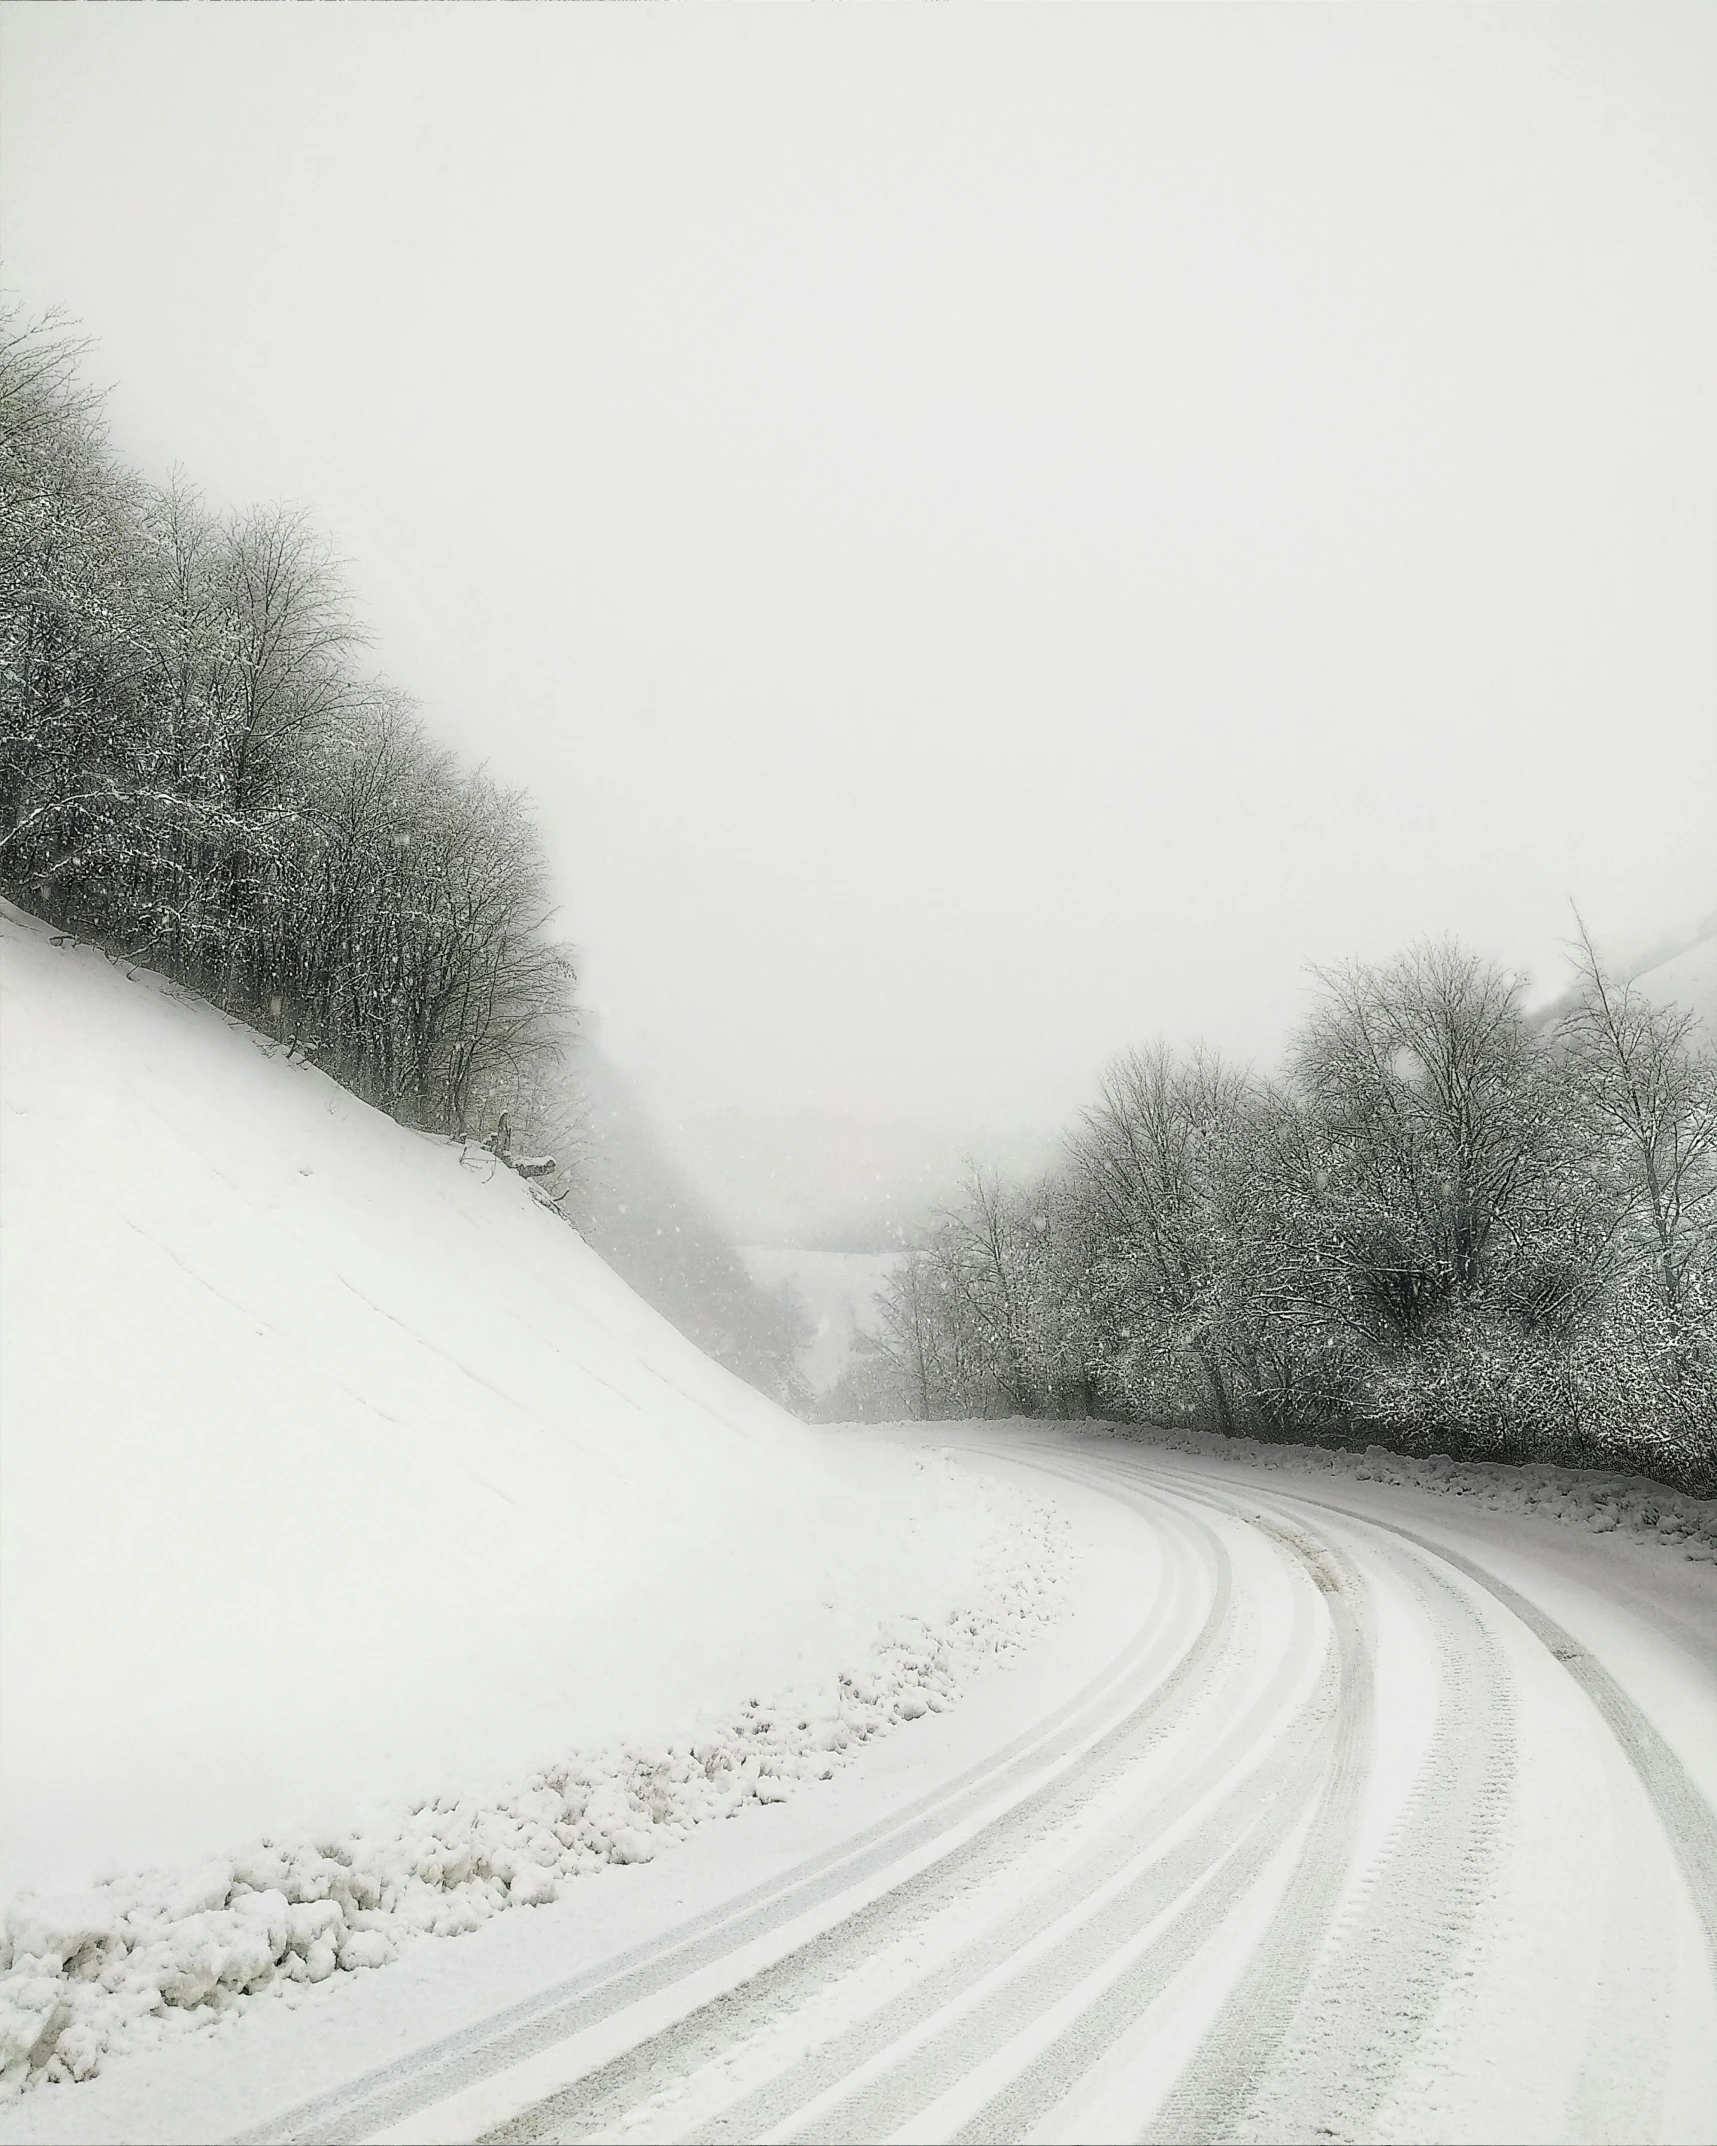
column 1687, row 1817
column 1255, row 2015
column 1312, row 2035
column 1322, row 1755
column 1246, row 1827
column 394, row 2093
column 1393, row 1953
column 597, row 2101
column 1217, row 1865
column 1331, row 2052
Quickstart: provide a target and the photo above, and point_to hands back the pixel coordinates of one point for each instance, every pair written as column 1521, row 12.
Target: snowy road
column 1368, row 1830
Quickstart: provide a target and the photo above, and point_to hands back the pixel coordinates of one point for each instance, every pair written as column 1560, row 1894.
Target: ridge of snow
column 137, row 1961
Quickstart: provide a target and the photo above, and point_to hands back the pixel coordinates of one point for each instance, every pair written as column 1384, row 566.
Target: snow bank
column 342, row 1478
column 140, row 1960
column 1579, row 1497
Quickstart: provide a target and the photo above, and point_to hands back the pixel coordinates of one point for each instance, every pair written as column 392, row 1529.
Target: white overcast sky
column 990, row 535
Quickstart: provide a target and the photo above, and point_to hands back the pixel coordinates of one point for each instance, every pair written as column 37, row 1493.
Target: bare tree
column 1150, row 1160
column 1424, row 1084
column 1652, row 1095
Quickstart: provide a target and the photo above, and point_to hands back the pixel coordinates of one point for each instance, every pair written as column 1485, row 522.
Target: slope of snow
column 339, row 1474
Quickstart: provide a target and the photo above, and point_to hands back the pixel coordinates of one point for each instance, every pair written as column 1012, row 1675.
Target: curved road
column 1364, row 1833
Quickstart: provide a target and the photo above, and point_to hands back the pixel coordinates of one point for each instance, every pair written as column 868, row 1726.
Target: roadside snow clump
column 85, row 1976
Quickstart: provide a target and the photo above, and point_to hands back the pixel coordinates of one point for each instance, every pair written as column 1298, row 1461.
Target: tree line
column 197, row 769
column 1446, row 1228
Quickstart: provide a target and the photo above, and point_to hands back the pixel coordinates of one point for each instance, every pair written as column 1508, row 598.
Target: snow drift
column 339, row 1474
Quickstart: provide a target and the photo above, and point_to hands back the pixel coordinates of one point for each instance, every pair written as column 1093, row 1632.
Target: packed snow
column 356, row 1511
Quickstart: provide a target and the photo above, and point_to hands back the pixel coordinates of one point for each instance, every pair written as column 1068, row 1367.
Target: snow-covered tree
column 194, row 770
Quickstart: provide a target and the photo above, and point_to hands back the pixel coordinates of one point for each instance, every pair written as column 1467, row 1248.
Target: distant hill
column 1679, row 969
column 632, row 1204
column 839, row 1292
column 1687, row 978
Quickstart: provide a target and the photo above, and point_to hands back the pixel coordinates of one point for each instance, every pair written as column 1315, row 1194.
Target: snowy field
column 373, row 1559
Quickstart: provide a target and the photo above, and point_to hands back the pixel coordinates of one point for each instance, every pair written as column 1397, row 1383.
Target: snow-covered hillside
column 338, row 1473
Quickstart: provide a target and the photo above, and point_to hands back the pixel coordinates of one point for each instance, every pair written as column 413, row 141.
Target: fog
column 989, row 536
